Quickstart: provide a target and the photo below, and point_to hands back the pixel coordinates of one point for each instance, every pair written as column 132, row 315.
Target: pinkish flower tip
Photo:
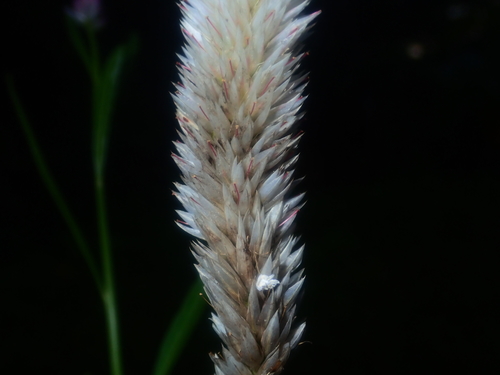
column 86, row 11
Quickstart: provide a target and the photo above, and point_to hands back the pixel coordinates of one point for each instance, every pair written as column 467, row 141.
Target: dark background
column 401, row 156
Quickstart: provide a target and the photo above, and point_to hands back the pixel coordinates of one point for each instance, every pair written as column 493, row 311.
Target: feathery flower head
column 237, row 106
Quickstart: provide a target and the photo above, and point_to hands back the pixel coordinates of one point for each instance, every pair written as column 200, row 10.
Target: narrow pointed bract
column 237, row 105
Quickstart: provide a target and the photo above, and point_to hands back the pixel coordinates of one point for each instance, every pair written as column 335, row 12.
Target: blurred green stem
column 102, row 101
column 108, row 293
column 94, row 59
column 52, row 187
column 104, row 77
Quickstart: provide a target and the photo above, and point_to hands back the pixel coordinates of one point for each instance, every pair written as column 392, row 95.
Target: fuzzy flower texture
column 237, row 104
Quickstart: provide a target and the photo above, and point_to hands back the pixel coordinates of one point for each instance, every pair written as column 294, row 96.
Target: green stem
column 94, row 60
column 101, row 102
column 52, row 187
column 108, row 291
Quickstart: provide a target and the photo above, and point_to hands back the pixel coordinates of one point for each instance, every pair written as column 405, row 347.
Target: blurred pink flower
column 86, row 11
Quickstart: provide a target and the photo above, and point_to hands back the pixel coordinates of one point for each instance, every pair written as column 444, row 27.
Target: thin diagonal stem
column 52, row 186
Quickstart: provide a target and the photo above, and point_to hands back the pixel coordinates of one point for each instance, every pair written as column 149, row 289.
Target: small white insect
column 266, row 282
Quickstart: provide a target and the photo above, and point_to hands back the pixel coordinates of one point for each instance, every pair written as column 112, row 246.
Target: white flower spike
column 238, row 103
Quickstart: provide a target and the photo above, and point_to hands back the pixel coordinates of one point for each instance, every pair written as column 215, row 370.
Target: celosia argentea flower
column 237, row 104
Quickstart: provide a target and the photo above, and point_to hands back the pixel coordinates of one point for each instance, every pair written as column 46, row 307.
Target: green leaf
column 180, row 330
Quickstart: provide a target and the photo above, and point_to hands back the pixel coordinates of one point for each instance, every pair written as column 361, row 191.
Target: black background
column 401, row 158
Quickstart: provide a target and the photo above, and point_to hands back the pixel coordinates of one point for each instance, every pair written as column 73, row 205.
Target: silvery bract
column 237, row 104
